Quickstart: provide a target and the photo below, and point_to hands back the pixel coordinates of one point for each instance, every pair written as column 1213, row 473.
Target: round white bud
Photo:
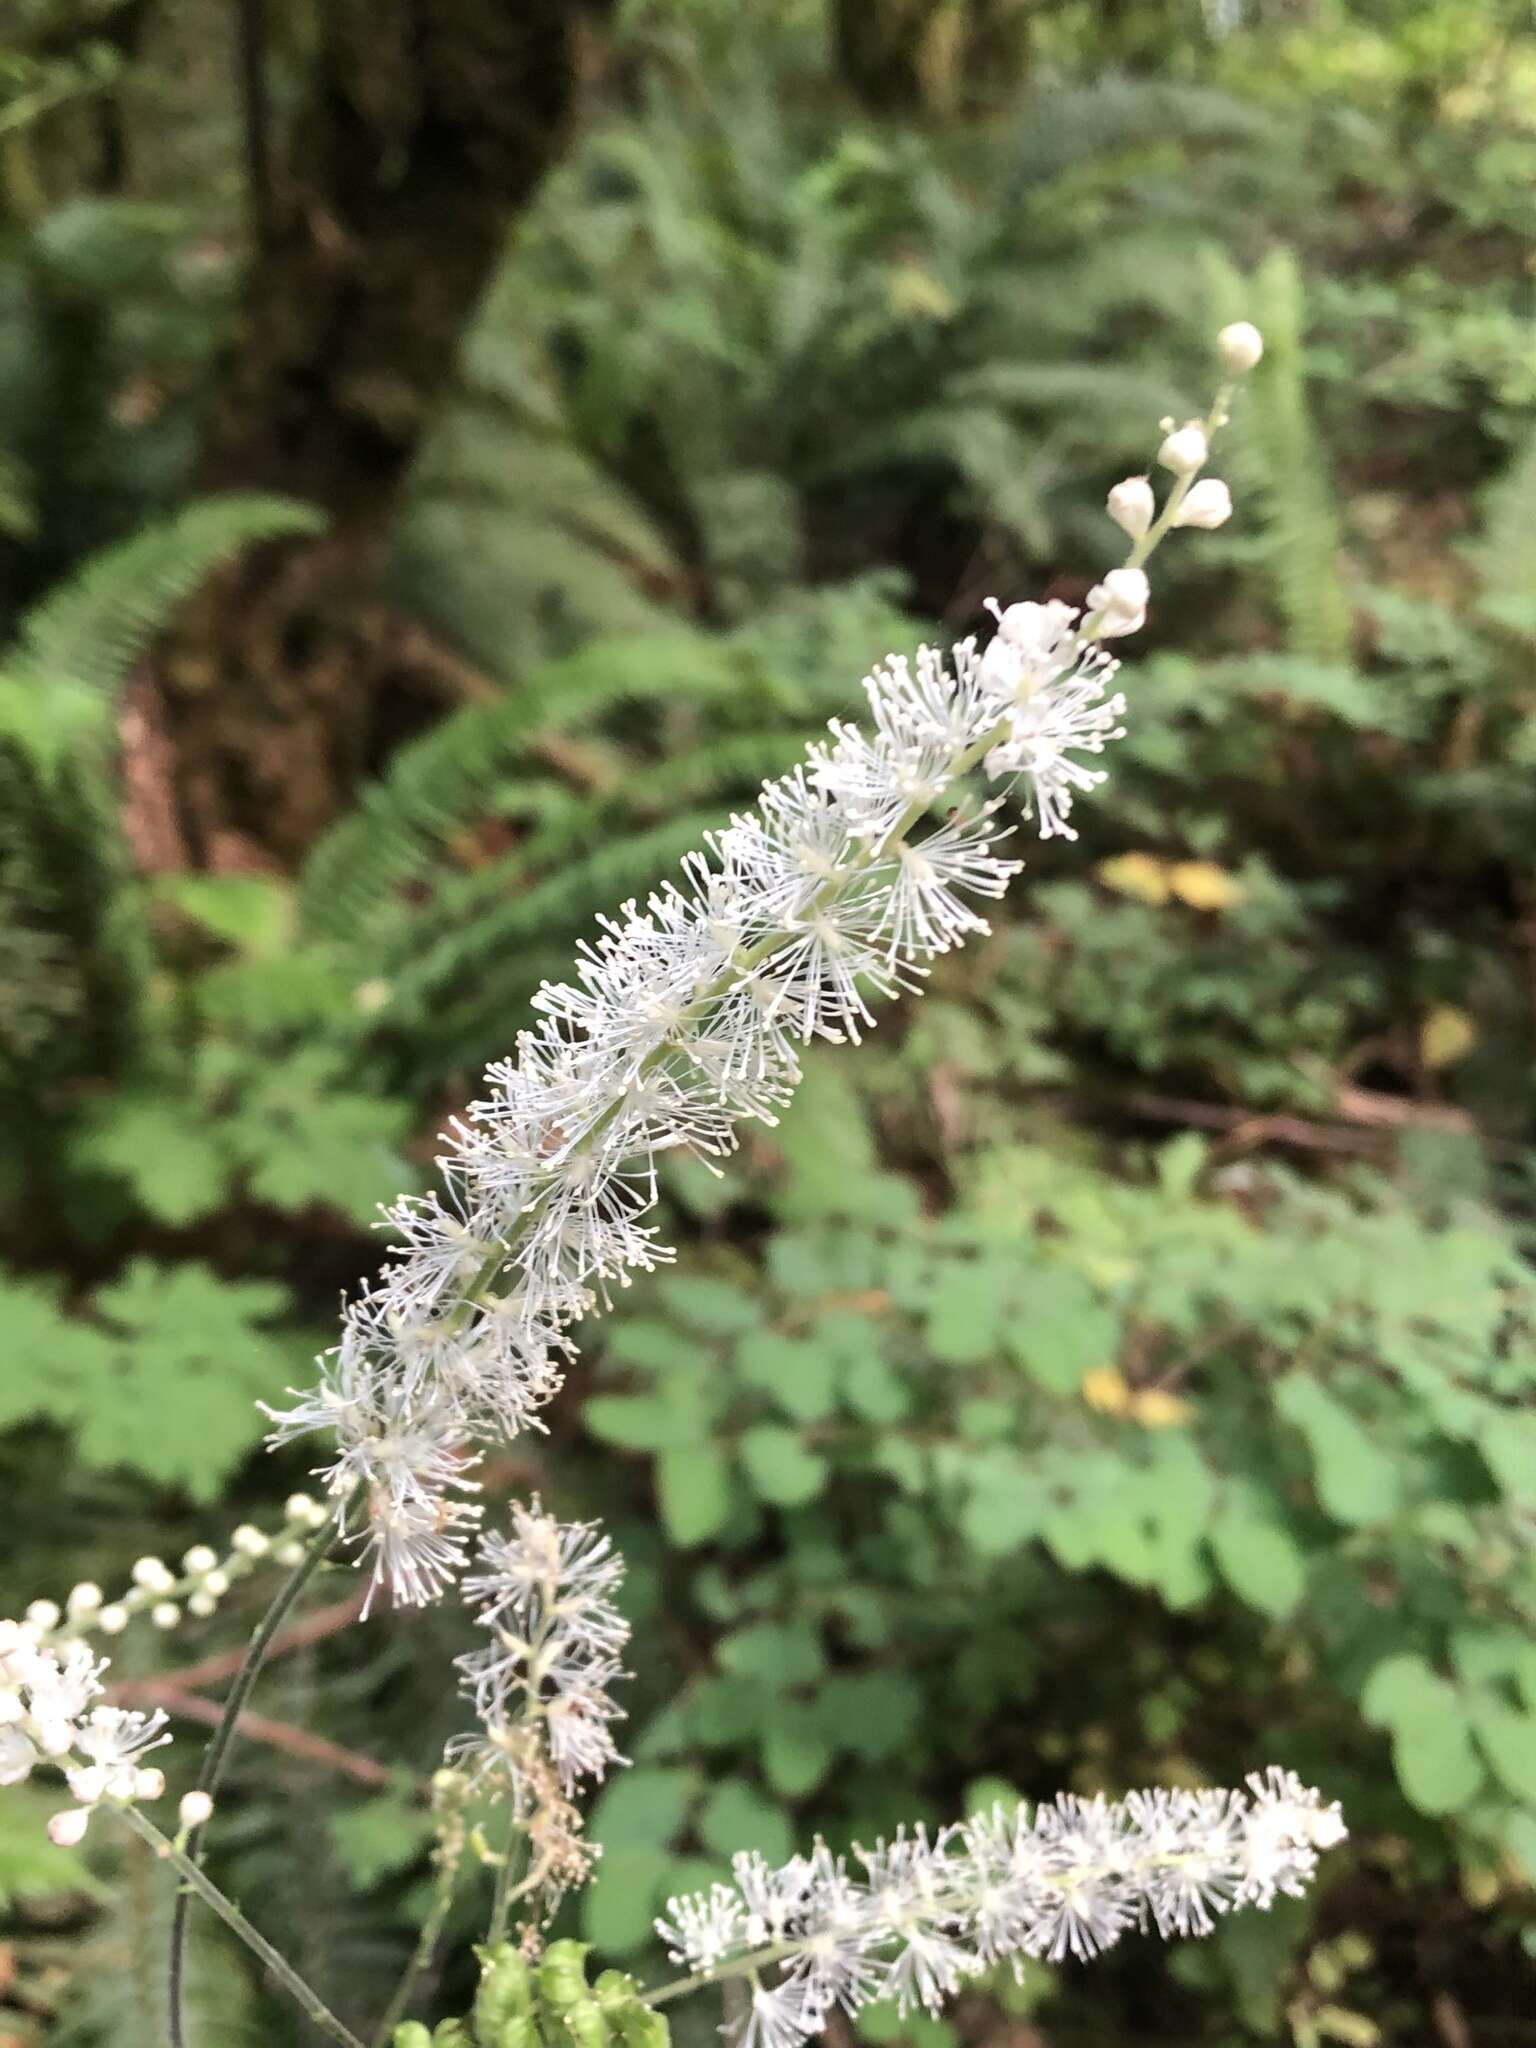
column 165, row 1614
column 194, row 1809
column 11, row 1708
column 299, row 1508
column 1118, row 604
column 112, row 1620
column 1185, row 449
column 216, row 1585
column 1132, row 506
column 153, row 1575
column 84, row 1598
column 149, row 1783
column 67, row 1829
column 1240, row 346
column 44, row 1615
column 202, row 1605
column 249, row 1542
column 289, row 1553
column 200, row 1558
column 1207, row 503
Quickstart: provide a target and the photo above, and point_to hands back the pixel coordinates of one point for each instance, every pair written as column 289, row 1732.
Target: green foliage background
column 1123, row 1368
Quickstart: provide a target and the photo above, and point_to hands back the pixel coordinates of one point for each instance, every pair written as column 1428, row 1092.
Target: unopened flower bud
column 44, row 1615
column 1119, row 604
column 1240, row 346
column 299, row 1507
column 67, row 1829
column 200, row 1558
column 202, row 1605
column 289, row 1553
column 165, row 1614
column 194, row 1809
column 153, row 1575
column 216, row 1585
column 149, row 1783
column 11, row 1708
column 112, row 1620
column 1185, row 449
column 249, row 1542
column 84, row 1598
column 1132, row 505
column 1207, row 503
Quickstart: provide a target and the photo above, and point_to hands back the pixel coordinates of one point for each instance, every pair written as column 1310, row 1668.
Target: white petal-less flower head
column 1184, row 450
column 1208, row 504
column 1119, row 602
column 1132, row 505
column 1240, row 346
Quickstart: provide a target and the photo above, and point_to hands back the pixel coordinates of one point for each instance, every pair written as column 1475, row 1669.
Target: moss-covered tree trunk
column 388, row 147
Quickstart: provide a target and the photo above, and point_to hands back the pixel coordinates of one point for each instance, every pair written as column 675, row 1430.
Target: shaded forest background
column 449, row 453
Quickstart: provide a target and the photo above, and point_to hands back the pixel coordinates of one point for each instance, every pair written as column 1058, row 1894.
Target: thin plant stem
column 502, row 1898
column 315, row 1552
column 739, row 1966
column 195, row 1879
column 422, row 1954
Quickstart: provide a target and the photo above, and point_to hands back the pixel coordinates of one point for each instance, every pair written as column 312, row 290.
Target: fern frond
column 94, row 629
column 1276, row 452
column 439, row 783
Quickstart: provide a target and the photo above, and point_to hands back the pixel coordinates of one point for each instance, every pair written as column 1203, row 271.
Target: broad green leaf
column 176, row 1164
column 379, row 1837
column 737, row 1816
column 796, row 1752
column 1259, row 1560
column 1058, row 1329
column 1436, row 1764
column 1356, row 1481
column 967, row 1308
column 795, row 1372
column 643, row 1808
column 1508, row 1739
column 709, row 1305
column 782, row 1471
column 1399, row 1690
column 774, row 1654
column 624, row 1896
column 694, row 1488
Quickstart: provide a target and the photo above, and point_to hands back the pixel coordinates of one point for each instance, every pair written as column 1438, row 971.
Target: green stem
column 741, row 1966
column 501, row 1902
column 422, row 1954
column 194, row 1879
column 316, row 1551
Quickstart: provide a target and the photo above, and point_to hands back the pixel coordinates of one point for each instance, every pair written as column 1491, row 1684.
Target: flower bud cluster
column 50, row 1713
column 165, row 1594
column 913, row 1919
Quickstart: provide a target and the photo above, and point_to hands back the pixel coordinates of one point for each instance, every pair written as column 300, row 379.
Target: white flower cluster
column 49, row 1713
column 542, row 1686
column 912, row 1919
column 685, row 1020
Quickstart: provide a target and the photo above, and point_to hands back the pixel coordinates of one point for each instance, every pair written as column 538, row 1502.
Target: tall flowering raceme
column 685, row 1021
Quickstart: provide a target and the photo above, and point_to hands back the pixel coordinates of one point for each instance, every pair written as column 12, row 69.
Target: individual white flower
column 1118, row 603
column 66, row 1830
column 1033, row 644
column 18, row 1754
column 1240, row 346
column 194, row 1809
column 116, row 1740
column 1184, row 450
column 1132, row 505
column 1207, row 504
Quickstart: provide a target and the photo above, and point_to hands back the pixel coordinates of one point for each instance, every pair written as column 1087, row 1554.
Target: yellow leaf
column 1141, row 875
column 1446, row 1035
column 1104, row 1389
column 1204, row 886
column 1156, row 1409
column 917, row 293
